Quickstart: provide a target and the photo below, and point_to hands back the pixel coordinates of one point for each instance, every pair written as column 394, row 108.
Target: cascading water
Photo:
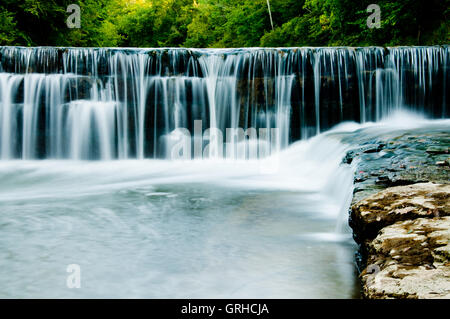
column 86, row 103
column 266, row 224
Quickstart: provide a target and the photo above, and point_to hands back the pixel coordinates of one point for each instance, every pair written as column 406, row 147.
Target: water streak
column 106, row 103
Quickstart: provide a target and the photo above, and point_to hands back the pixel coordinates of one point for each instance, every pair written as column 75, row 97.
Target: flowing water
column 86, row 177
column 157, row 229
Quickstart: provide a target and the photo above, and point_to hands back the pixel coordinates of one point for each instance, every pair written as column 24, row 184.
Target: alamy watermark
column 73, row 20
column 74, row 279
column 373, row 269
column 374, row 20
column 238, row 144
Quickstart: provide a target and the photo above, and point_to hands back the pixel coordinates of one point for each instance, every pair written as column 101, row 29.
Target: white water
column 271, row 226
column 104, row 103
column 186, row 229
column 196, row 229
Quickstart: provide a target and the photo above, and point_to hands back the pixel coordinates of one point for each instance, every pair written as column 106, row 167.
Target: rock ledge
column 404, row 233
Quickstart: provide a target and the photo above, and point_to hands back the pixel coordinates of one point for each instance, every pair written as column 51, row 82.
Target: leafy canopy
column 223, row 23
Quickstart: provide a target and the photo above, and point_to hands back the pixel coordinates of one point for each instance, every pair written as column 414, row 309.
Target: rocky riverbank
column 400, row 214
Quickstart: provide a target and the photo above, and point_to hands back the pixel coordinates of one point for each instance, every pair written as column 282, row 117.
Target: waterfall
column 108, row 103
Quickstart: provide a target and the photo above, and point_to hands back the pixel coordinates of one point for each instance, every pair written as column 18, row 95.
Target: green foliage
column 8, row 32
column 236, row 23
column 245, row 24
column 223, row 23
column 28, row 22
column 343, row 22
column 34, row 22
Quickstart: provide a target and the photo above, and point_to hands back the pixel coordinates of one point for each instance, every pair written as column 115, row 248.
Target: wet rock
column 403, row 160
column 348, row 158
column 374, row 148
column 400, row 179
column 437, row 150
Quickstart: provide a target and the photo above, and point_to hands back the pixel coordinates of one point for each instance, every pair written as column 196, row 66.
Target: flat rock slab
column 399, row 159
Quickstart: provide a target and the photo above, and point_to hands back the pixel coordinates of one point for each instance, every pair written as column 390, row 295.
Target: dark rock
column 437, row 150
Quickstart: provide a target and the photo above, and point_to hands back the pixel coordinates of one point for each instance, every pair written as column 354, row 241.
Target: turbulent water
column 186, row 229
column 156, row 229
column 86, row 177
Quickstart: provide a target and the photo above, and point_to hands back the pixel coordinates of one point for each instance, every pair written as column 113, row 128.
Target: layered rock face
column 413, row 260
column 403, row 231
column 406, row 235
